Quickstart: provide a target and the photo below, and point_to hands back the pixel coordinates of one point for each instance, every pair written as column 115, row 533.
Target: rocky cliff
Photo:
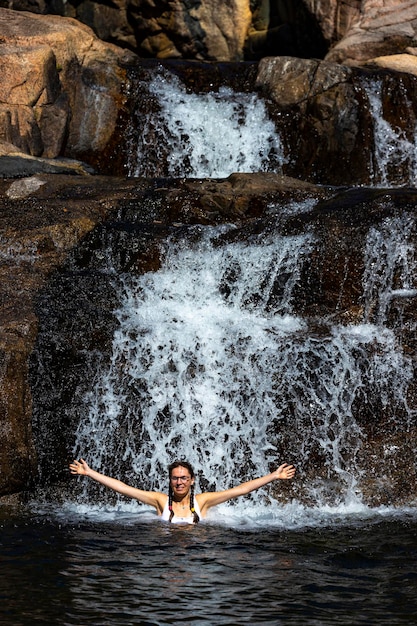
column 64, row 101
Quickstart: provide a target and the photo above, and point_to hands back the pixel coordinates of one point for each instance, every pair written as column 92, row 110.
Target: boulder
column 348, row 32
column 290, row 81
column 61, row 89
column 376, row 28
column 320, row 117
column 324, row 115
column 207, row 30
column 17, row 164
column 214, row 30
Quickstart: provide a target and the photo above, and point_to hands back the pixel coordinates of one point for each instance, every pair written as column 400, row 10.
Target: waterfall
column 212, row 363
column 180, row 131
column 394, row 159
column 189, row 374
column 201, row 135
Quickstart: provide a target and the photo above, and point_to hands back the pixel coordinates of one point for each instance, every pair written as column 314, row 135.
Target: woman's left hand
column 285, row 471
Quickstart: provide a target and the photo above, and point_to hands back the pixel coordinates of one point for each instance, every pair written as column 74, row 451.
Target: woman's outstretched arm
column 153, row 498
column 212, row 498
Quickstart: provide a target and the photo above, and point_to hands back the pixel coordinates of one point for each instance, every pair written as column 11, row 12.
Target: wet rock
column 34, row 240
column 326, row 121
column 55, row 277
column 319, row 100
column 290, row 81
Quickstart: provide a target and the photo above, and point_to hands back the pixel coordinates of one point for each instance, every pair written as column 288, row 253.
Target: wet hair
column 189, row 467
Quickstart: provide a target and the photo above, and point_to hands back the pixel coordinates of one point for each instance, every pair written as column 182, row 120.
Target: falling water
column 394, row 160
column 205, row 135
column 391, row 268
column 212, row 363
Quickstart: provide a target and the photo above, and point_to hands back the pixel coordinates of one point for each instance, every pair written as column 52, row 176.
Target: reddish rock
column 61, row 88
column 373, row 29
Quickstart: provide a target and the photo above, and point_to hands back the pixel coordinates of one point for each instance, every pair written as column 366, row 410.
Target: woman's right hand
column 79, row 467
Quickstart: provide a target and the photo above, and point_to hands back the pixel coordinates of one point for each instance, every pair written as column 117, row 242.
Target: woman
column 180, row 505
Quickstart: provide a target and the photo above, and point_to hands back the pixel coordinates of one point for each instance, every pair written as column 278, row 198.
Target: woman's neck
column 183, row 503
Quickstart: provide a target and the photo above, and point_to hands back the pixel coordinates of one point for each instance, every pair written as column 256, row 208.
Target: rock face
column 65, row 241
column 325, row 125
column 32, row 244
column 287, row 28
column 66, row 93
column 347, row 32
column 201, row 30
column 61, row 87
column 214, row 30
column 335, row 118
column 334, row 17
column 62, row 94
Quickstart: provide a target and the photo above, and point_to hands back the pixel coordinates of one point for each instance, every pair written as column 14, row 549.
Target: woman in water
column 181, row 505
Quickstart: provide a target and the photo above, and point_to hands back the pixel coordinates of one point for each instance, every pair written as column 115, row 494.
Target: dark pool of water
column 79, row 572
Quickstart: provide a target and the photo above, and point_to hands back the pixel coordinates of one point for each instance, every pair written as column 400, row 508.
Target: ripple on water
column 140, row 571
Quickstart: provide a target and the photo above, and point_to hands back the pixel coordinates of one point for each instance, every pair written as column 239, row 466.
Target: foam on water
column 247, row 514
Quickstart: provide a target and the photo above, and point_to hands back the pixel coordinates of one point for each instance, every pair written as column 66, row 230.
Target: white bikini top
column 180, row 520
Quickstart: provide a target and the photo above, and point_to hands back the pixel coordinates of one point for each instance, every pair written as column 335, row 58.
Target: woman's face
column 181, row 481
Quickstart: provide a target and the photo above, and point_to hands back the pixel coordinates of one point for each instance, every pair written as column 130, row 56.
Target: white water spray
column 190, row 374
column 210, row 363
column 209, row 135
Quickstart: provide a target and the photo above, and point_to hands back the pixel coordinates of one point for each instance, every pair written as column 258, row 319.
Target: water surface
column 120, row 567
